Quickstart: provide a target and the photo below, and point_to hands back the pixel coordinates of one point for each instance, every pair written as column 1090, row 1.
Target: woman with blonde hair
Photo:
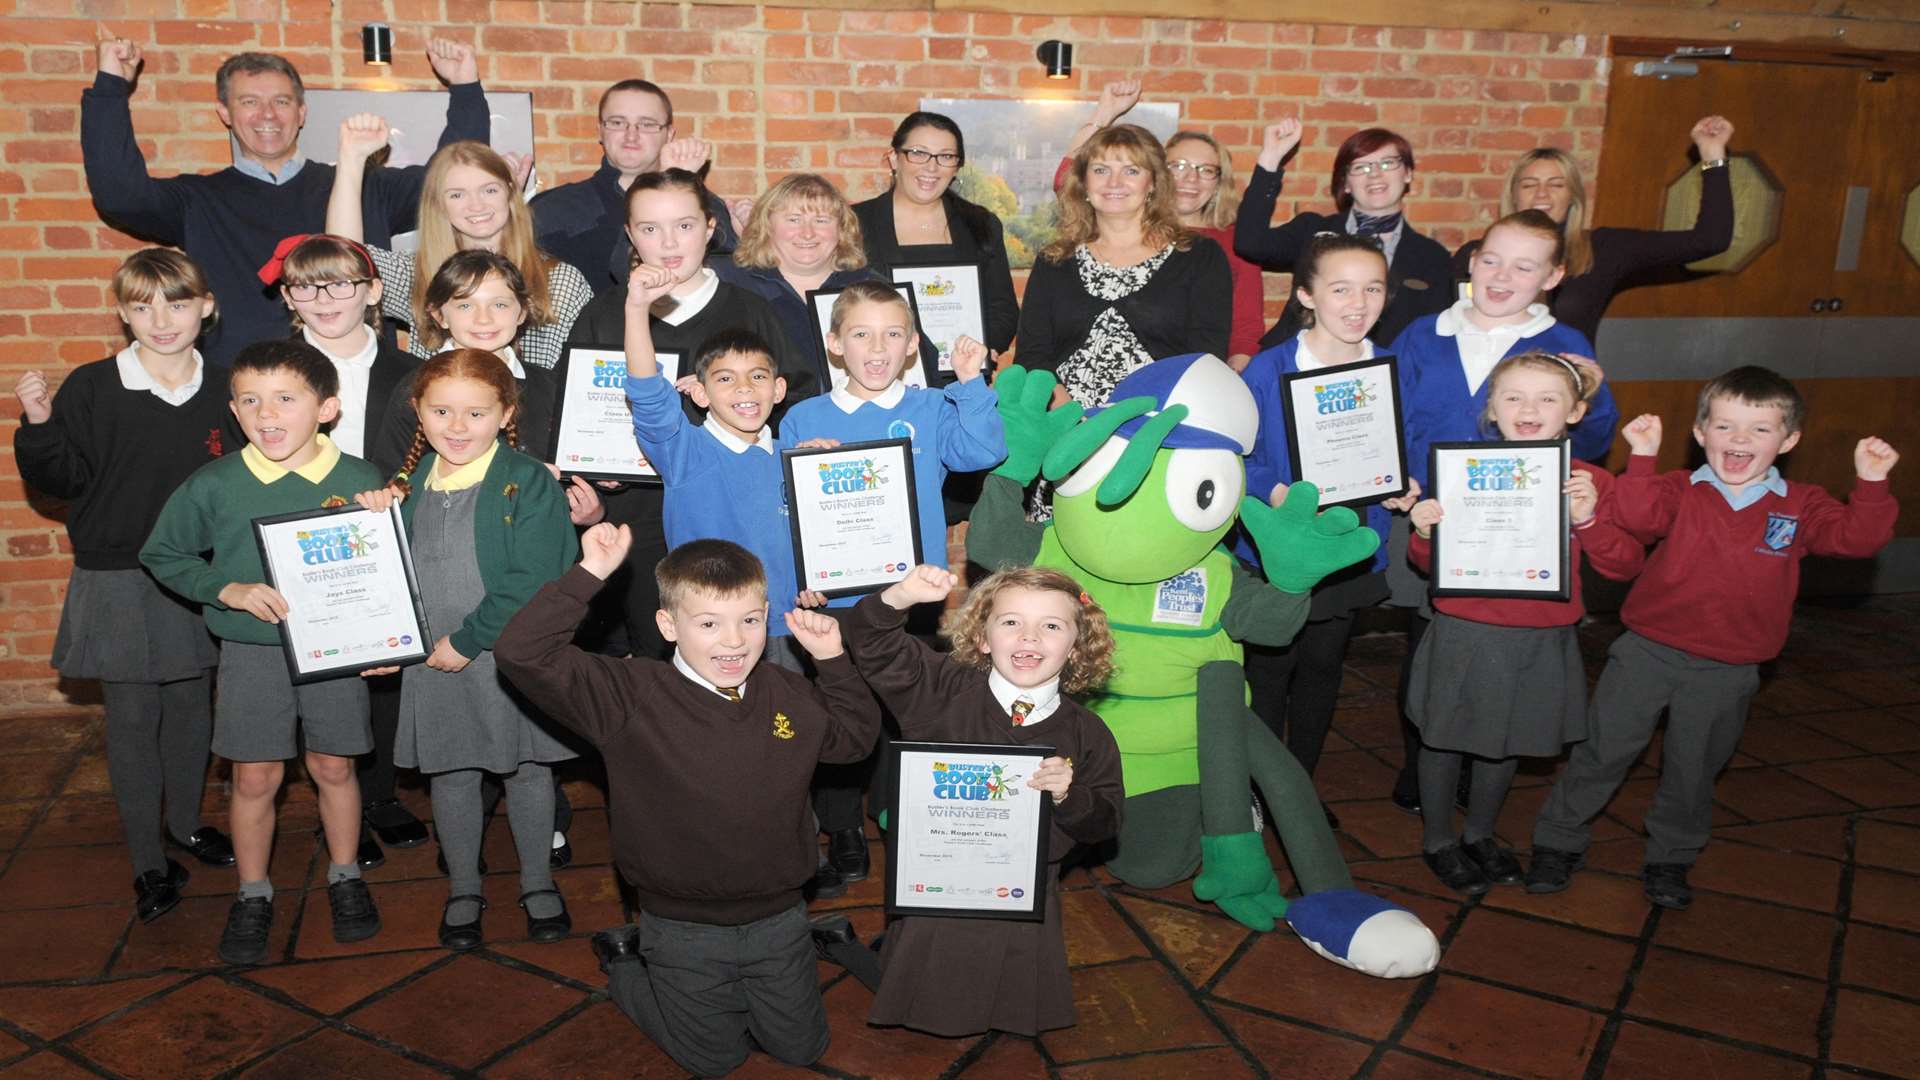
column 1600, row 260
column 469, row 201
column 803, row 236
column 1123, row 283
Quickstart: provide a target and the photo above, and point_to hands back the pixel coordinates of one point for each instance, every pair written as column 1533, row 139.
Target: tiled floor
column 1801, row 957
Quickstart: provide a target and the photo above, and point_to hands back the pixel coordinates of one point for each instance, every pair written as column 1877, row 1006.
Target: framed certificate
column 950, row 302
column 821, row 302
column 856, row 516
column 592, row 426
column 1345, row 431
column 352, row 600
column 1505, row 531
column 968, row 836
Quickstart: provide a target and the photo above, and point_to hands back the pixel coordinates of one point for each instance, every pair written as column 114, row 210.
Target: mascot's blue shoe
column 1361, row 931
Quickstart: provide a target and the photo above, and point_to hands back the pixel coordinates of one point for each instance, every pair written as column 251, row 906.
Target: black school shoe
column 847, row 853
column 368, row 854
column 550, row 927
column 1495, row 861
column 1457, row 870
column 394, row 824
column 1552, row 868
column 1666, row 885
column 354, row 916
column 156, row 892
column 466, row 935
column 825, row 884
column 207, row 844
column 249, row 921
column 561, row 856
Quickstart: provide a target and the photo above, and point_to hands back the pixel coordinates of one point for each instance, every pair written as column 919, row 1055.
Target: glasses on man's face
column 1181, row 167
column 1368, row 168
column 339, row 290
column 915, row 156
column 618, row 125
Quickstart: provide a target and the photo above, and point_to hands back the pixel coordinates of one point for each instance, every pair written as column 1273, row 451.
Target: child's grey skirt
column 1498, row 691
column 121, row 626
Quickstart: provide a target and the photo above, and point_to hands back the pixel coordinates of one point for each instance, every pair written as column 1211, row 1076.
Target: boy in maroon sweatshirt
column 1713, row 604
column 708, row 762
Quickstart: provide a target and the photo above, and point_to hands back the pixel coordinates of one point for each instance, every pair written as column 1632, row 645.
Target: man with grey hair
column 231, row 220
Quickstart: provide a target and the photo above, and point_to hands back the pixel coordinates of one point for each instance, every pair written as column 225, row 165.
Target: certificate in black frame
column 567, row 371
column 325, row 668
column 966, row 270
column 1034, row 904
column 809, row 573
column 820, row 306
column 1327, row 374
column 1440, row 571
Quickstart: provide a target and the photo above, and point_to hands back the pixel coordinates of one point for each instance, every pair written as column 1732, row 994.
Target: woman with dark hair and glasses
column 1371, row 174
column 920, row 219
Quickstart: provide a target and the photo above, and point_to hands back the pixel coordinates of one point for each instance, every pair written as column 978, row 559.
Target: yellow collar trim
column 266, row 470
column 463, row 477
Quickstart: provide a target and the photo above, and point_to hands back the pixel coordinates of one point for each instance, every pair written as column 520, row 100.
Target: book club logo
column 609, row 374
column 1345, row 396
column 1501, row 474
column 339, row 543
column 852, row 477
column 971, row 783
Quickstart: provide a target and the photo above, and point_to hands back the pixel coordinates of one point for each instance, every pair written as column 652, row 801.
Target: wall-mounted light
column 1057, row 57
column 376, row 43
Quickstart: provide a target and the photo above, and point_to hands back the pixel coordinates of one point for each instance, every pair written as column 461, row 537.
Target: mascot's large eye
column 1204, row 486
column 1093, row 470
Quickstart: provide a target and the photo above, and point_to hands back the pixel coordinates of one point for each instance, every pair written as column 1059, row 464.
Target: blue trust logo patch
column 1780, row 531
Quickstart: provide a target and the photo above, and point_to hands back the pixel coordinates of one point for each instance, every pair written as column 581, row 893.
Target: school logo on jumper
column 1501, row 474
column 850, row 477
column 1780, row 531
column 609, row 374
column 901, row 429
column 782, row 727
column 972, row 783
column 338, row 543
column 1344, row 396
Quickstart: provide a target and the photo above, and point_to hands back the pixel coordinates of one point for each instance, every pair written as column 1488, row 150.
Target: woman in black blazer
column 1371, row 174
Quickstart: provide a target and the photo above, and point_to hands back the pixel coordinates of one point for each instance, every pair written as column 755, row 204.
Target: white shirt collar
column 849, row 403
column 1481, row 348
column 247, row 166
column 680, row 664
column 1304, row 359
column 134, row 376
column 507, row 356
column 1045, row 697
column 1454, row 322
column 362, row 359
column 732, row 441
column 686, row 307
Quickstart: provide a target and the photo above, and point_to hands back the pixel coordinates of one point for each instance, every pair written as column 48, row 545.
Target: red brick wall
column 778, row 89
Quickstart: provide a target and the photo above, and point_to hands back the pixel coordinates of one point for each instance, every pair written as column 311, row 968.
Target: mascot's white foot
column 1361, row 931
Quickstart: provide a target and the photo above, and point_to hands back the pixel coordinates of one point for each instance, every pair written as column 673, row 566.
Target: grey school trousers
column 707, row 994
column 1706, row 705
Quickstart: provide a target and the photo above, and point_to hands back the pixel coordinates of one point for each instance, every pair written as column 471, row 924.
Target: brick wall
column 778, row 89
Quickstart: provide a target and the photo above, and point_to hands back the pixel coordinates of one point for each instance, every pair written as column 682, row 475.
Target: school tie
column 731, row 693
column 1020, row 710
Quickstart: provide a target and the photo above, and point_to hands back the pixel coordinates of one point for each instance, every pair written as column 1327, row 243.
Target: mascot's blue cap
column 1221, row 414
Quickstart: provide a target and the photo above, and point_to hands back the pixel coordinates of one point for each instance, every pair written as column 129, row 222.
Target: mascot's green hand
column 1298, row 546
column 1031, row 427
column 1236, row 874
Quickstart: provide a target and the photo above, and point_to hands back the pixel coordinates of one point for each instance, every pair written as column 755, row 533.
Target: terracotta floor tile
column 1651, row 1053
column 1585, row 967
column 52, row 1011
column 1222, row 1064
column 1744, row 1003
column 1629, row 805
column 409, row 919
column 23, row 734
column 1876, row 958
column 1596, row 901
column 68, row 876
column 1384, row 830
column 47, row 1065
column 1781, row 740
column 335, row 1054
column 1281, row 975
column 200, row 1029
column 1766, row 934
column 572, row 958
column 1095, row 932
column 1293, row 1051
column 329, row 986
column 1875, row 730
column 79, row 819
column 188, row 937
column 863, row 1050
column 1197, row 944
column 476, row 1009
column 597, row 1042
column 1473, row 1023
column 65, row 943
column 11, row 1047
column 89, row 776
column 1873, row 686
column 1799, row 880
column 1352, row 774
column 1409, row 1067
column 1886, row 898
column 291, row 867
column 15, row 819
column 1823, row 836
column 33, row 775
column 1877, row 1032
column 1894, row 846
column 1867, row 781
column 1010, row 1056
column 1769, row 794
column 1111, row 1001
column 1788, row 695
column 1373, row 725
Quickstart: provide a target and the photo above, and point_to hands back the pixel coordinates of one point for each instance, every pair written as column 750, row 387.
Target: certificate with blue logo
column 352, row 600
column 968, row 837
column 1506, row 528
column 1345, row 431
column 854, row 515
column 592, row 425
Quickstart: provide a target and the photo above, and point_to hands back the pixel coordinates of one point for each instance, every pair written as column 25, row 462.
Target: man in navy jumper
column 585, row 222
column 229, row 221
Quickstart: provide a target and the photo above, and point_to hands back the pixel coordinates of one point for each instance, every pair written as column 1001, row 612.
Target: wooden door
column 1886, row 162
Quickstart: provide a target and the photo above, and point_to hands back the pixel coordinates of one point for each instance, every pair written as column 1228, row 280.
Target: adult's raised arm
column 361, row 136
column 392, row 196
column 1255, row 239
column 123, row 192
column 1712, row 231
